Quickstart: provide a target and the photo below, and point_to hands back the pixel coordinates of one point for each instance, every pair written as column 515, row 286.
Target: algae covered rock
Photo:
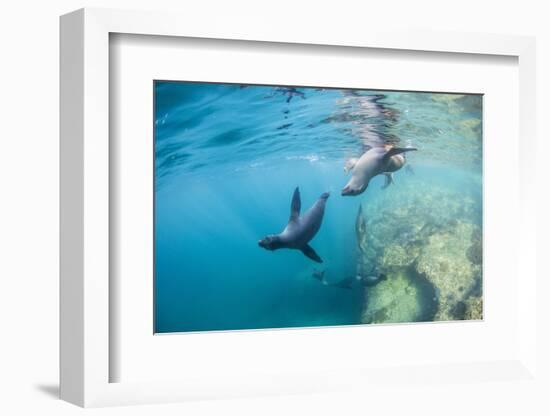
column 427, row 239
column 398, row 221
column 445, row 263
column 400, row 255
column 392, row 300
column 474, row 308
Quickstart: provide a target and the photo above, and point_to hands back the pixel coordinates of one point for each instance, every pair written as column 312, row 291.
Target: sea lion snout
column 264, row 242
column 350, row 191
column 270, row 242
column 325, row 195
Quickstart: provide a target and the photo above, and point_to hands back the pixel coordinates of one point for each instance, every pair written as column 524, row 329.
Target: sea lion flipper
column 295, row 205
column 309, row 252
column 397, row 150
column 350, row 164
column 388, row 180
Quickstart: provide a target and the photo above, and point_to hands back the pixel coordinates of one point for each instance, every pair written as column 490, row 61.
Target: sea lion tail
column 389, row 180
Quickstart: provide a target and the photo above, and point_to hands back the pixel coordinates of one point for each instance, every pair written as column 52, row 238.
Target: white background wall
column 29, row 209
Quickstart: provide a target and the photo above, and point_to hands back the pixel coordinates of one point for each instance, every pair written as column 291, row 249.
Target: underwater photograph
column 290, row 206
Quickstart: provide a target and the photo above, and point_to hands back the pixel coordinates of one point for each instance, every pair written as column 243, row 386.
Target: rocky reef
column 404, row 297
column 427, row 240
column 445, row 263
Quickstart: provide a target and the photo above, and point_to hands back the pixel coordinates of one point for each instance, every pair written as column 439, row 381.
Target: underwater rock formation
column 474, row 308
column 425, row 241
column 393, row 300
column 404, row 296
column 445, row 263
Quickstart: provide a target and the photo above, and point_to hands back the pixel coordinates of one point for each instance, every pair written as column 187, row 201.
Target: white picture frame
column 85, row 204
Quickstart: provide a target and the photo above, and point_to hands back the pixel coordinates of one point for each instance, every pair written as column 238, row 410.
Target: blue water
column 227, row 159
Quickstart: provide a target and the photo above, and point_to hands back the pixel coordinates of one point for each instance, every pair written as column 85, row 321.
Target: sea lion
column 361, row 231
column 300, row 228
column 319, row 275
column 371, row 279
column 375, row 161
column 395, row 163
column 346, row 283
column 290, row 92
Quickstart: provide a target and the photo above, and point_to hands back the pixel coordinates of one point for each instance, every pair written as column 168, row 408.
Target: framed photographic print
column 221, row 189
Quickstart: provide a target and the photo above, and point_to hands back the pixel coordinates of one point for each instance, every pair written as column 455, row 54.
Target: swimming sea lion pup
column 300, row 228
column 346, row 283
column 371, row 279
column 375, row 161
